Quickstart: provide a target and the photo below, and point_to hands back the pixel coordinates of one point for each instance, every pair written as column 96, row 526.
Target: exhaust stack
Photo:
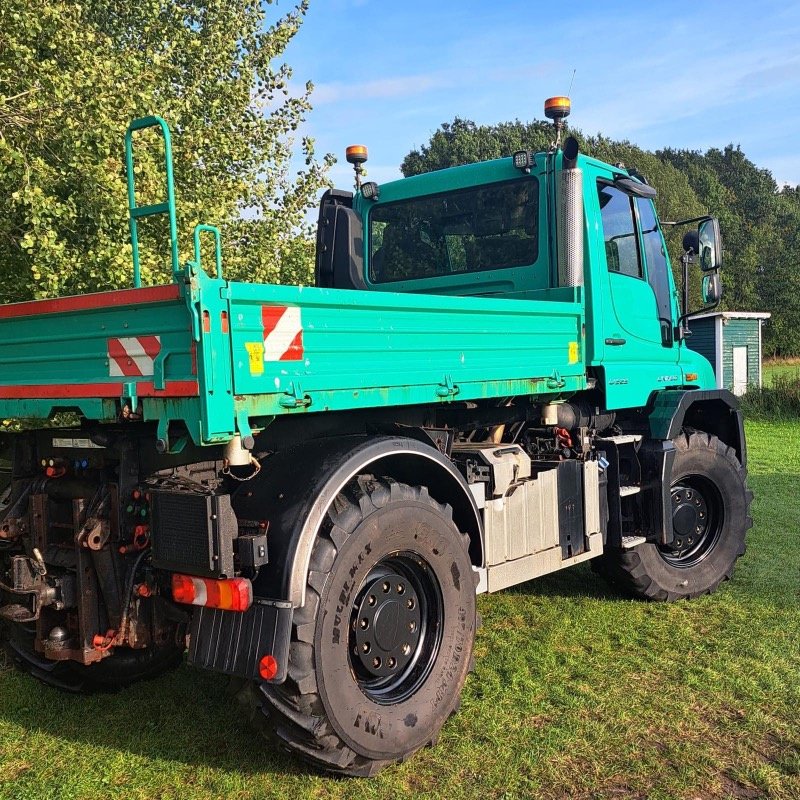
column 570, row 218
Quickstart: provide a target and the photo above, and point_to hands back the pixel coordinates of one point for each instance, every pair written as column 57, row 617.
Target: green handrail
column 168, row 207
column 198, row 229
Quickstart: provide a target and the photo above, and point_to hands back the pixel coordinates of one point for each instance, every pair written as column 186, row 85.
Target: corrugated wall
column 702, row 338
column 740, row 333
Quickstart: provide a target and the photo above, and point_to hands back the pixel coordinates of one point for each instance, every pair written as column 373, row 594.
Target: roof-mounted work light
column 523, row 159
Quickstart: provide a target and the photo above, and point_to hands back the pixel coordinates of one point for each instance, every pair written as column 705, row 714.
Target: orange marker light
column 691, row 376
column 356, row 154
column 557, row 107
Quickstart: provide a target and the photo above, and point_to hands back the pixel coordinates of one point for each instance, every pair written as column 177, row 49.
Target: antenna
column 572, row 80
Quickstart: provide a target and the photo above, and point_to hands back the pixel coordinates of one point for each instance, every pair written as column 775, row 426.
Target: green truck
column 306, row 487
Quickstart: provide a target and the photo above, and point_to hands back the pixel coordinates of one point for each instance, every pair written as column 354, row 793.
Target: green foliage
column 73, row 75
column 776, row 400
column 759, row 222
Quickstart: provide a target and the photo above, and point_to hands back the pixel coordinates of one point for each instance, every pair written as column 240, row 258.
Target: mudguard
column 714, row 411
column 295, row 488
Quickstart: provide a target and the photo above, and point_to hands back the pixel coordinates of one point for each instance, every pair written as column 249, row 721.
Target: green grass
column 577, row 693
column 788, row 368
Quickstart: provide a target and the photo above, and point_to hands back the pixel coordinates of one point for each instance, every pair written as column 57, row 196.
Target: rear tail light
column 233, row 594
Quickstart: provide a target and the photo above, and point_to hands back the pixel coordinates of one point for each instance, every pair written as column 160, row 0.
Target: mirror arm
column 685, row 221
column 683, row 317
column 680, row 331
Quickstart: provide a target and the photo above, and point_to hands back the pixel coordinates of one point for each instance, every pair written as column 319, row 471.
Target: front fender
column 715, row 411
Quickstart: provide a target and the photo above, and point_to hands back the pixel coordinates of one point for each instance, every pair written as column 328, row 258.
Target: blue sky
column 693, row 75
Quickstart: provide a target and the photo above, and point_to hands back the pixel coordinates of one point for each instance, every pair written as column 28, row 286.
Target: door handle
column 615, row 342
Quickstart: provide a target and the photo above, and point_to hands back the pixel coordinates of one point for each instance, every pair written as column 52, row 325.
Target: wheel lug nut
column 365, row 648
column 412, row 626
column 406, row 649
column 410, row 603
column 371, row 600
column 392, row 662
column 364, row 624
column 376, row 662
column 386, row 587
column 400, row 588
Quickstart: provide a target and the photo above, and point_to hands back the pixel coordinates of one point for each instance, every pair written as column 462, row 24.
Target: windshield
column 468, row 230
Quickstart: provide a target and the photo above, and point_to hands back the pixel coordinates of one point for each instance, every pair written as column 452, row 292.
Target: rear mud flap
column 234, row 643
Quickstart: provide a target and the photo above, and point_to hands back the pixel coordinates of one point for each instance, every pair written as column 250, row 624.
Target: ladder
column 137, row 212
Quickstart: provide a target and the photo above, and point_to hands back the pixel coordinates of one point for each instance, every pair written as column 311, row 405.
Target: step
column 629, row 542
column 626, row 491
column 625, row 438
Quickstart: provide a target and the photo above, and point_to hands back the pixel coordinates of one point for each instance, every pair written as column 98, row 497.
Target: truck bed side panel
column 335, row 349
column 84, row 350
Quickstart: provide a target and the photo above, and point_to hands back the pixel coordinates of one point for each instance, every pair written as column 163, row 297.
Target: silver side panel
column 521, row 528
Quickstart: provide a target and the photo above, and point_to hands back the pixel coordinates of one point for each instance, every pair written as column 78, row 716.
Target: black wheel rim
column 697, row 521
column 395, row 628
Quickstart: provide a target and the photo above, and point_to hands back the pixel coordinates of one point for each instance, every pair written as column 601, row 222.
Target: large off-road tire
column 122, row 668
column 383, row 644
column 711, row 516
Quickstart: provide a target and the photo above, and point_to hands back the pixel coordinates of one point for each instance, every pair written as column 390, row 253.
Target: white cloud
column 377, row 89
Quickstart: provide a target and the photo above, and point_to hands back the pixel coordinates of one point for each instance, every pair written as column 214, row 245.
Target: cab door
column 639, row 353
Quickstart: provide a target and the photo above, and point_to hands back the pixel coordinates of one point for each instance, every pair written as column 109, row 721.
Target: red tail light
column 232, row 594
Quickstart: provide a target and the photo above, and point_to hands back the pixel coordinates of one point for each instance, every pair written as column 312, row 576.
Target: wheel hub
column 697, row 520
column 386, row 625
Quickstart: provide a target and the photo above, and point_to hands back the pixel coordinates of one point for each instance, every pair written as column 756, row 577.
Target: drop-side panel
column 87, row 350
column 319, row 349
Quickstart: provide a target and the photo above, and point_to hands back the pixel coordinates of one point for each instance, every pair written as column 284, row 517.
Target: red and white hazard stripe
column 283, row 333
column 132, row 356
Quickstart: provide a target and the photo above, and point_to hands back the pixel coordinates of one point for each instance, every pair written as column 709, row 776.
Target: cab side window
column 657, row 265
column 619, row 231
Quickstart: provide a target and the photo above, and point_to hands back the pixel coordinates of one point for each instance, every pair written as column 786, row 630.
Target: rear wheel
column 383, row 644
column 710, row 518
column 122, row 668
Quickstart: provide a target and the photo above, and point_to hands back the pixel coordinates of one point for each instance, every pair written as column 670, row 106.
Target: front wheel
column 710, row 518
column 383, row 644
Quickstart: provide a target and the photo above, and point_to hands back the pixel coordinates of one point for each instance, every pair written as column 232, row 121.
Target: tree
column 73, row 75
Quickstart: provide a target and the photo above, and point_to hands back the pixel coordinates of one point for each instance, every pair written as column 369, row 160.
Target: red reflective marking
column 270, row 316
column 206, row 322
column 84, row 302
column 295, row 351
column 150, row 344
column 97, row 390
column 268, row 667
column 117, row 352
column 223, row 321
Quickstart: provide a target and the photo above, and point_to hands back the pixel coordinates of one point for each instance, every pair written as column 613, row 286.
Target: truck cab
column 494, row 229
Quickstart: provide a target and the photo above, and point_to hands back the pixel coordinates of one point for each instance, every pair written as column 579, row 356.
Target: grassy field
column 577, row 693
column 788, row 368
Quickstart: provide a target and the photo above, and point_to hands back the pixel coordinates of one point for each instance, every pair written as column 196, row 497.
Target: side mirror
column 712, row 288
column 709, row 244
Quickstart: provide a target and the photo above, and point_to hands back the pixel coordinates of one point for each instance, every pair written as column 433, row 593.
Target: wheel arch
column 714, row 411
column 297, row 487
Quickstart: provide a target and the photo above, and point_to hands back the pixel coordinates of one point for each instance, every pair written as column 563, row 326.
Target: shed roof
column 733, row 315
